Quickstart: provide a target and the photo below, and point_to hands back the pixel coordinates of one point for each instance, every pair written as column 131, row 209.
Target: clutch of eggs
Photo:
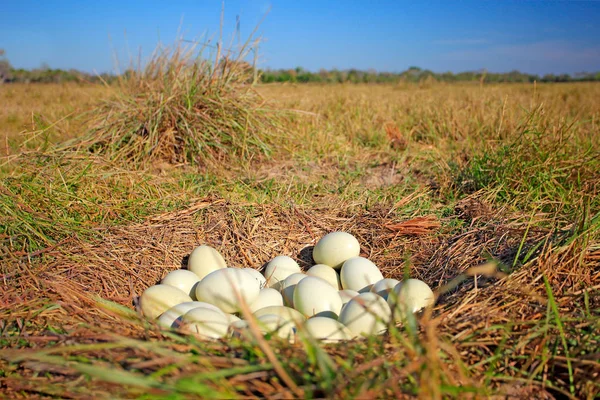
column 341, row 297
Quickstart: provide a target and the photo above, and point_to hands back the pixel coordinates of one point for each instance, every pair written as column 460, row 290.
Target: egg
column 358, row 273
column 238, row 324
column 159, row 298
column 327, row 329
column 222, row 287
column 288, row 286
column 280, row 268
column 266, row 297
column 384, row 287
column 204, row 259
column 346, row 295
column 239, row 329
column 183, row 280
column 411, row 295
column 206, row 323
column 335, row 248
column 366, row 314
column 262, row 281
column 231, row 318
column 314, row 296
column 271, row 323
column 286, row 312
column 172, row 317
column 326, row 273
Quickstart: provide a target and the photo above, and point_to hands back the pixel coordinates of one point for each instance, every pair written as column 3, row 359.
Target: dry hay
column 482, row 310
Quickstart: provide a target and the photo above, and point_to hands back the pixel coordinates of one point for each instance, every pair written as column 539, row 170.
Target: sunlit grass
column 528, row 157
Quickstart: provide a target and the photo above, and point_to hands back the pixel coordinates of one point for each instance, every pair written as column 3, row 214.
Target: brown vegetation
column 494, row 202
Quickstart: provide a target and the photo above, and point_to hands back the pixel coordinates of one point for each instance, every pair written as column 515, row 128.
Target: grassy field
column 489, row 193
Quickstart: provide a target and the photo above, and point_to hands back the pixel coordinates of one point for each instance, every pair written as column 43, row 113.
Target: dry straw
column 182, row 107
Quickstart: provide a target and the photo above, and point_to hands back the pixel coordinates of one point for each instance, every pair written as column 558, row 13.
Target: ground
column 489, row 193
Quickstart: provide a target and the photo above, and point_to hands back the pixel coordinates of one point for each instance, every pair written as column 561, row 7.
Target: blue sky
column 535, row 36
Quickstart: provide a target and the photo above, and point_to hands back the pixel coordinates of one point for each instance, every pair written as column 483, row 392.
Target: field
column 489, row 193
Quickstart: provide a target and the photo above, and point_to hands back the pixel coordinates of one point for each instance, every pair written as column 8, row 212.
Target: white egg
column 327, row 329
column 171, row 317
column 335, row 248
column 366, row 314
column 384, row 287
column 206, row 323
column 411, row 295
column 262, row 281
column 266, row 297
column 326, row 273
column 280, row 268
column 286, row 312
column 271, row 323
column 159, row 298
column 204, row 259
column 238, row 324
column 232, row 318
column 288, row 286
column 314, row 296
column 346, row 295
column 358, row 273
column 223, row 286
column 183, row 280
column 239, row 329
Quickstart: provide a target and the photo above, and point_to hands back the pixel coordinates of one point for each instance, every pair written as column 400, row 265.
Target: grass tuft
column 183, row 108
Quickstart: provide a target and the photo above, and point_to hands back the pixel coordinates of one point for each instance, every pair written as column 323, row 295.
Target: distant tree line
column 415, row 74
column 45, row 74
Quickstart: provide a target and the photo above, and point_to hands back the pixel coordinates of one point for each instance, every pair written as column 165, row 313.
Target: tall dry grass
column 183, row 107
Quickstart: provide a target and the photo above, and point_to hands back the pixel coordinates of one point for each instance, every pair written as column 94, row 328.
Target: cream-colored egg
column 159, row 298
column 384, row 287
column 172, row 317
column 239, row 329
column 366, row 314
column 286, row 312
column 183, row 280
column 238, row 324
column 411, row 295
column 204, row 259
column 266, row 297
column 232, row 318
column 327, row 329
column 314, row 296
column 288, row 286
column 276, row 324
column 226, row 287
column 206, row 323
column 262, row 281
column 335, row 248
column 280, row 268
column 326, row 273
column 346, row 295
column 358, row 273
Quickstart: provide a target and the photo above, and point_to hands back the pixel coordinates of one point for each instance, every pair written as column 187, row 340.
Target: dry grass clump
column 183, row 108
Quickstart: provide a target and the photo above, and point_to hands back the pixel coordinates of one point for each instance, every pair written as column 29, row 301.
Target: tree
column 5, row 67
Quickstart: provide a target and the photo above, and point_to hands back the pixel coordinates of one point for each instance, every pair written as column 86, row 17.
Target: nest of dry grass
column 467, row 328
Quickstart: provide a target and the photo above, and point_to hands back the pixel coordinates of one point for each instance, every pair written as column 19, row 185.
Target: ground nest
column 58, row 305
